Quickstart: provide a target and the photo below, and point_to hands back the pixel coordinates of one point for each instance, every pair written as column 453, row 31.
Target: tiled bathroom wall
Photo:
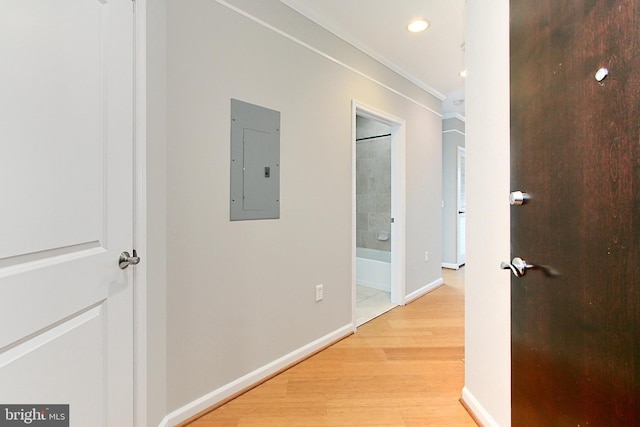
column 373, row 185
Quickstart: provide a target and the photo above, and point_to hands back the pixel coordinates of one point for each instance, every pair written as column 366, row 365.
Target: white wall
column 453, row 135
column 487, row 342
column 241, row 294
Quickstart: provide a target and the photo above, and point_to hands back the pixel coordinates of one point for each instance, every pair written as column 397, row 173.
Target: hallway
column 404, row 368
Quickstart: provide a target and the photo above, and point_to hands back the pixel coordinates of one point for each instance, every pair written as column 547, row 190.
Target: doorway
column 378, row 214
column 462, row 207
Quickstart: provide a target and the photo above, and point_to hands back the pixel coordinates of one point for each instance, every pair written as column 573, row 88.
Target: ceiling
column 432, row 59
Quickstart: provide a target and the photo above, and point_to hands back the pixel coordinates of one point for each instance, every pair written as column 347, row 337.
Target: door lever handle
column 519, row 268
column 126, row 260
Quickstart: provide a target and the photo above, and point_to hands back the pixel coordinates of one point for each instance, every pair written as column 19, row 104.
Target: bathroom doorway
column 378, row 148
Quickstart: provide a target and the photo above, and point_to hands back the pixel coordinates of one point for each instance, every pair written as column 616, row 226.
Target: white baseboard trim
column 451, row 266
column 423, row 290
column 252, row 378
column 375, row 285
column 477, row 409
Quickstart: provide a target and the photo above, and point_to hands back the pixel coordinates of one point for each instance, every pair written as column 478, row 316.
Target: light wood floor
column 404, row 368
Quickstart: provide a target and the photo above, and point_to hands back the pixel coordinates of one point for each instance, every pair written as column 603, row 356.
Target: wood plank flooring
column 404, row 368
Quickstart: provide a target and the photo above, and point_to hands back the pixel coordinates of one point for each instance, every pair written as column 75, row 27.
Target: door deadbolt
column 517, row 198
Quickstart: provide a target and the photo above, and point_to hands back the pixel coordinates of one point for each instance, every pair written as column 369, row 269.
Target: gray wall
column 452, row 137
column 373, row 184
column 241, row 294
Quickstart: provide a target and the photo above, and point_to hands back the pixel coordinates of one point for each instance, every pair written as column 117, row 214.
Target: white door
column 462, row 207
column 66, row 204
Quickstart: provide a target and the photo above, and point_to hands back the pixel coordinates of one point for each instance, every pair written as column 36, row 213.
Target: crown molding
column 324, row 54
column 458, row 116
column 327, row 25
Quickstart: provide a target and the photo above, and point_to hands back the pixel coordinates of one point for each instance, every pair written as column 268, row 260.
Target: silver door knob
column 518, row 266
column 126, row 260
column 518, row 198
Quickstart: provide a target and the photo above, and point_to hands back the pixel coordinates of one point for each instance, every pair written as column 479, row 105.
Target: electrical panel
column 255, row 162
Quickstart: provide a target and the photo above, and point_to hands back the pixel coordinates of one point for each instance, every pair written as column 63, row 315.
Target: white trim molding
column 249, row 380
column 398, row 197
column 451, row 266
column 454, row 130
column 424, row 290
column 477, row 409
column 311, row 14
column 454, row 115
column 329, row 57
column 140, row 326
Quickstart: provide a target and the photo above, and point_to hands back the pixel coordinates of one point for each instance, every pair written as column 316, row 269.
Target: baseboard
column 476, row 410
column 450, row 266
column 246, row 382
column 374, row 285
column 423, row 290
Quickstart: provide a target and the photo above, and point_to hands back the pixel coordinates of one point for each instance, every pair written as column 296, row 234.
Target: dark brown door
column 575, row 145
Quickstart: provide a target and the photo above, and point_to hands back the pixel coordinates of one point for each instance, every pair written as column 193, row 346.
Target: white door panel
column 53, row 114
column 66, row 207
column 34, row 371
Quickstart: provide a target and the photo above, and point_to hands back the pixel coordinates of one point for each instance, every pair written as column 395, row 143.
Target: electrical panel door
column 255, row 162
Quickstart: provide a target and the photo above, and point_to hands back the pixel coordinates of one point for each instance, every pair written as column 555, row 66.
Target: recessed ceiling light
column 417, row 25
column 463, row 73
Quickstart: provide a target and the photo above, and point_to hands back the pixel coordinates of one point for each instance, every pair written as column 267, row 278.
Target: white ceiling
column 432, row 59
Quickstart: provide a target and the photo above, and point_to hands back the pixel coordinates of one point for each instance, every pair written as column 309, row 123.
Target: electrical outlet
column 426, row 257
column 319, row 292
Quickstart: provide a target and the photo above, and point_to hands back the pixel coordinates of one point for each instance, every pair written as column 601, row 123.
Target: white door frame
column 460, row 223
column 398, row 200
column 140, row 215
